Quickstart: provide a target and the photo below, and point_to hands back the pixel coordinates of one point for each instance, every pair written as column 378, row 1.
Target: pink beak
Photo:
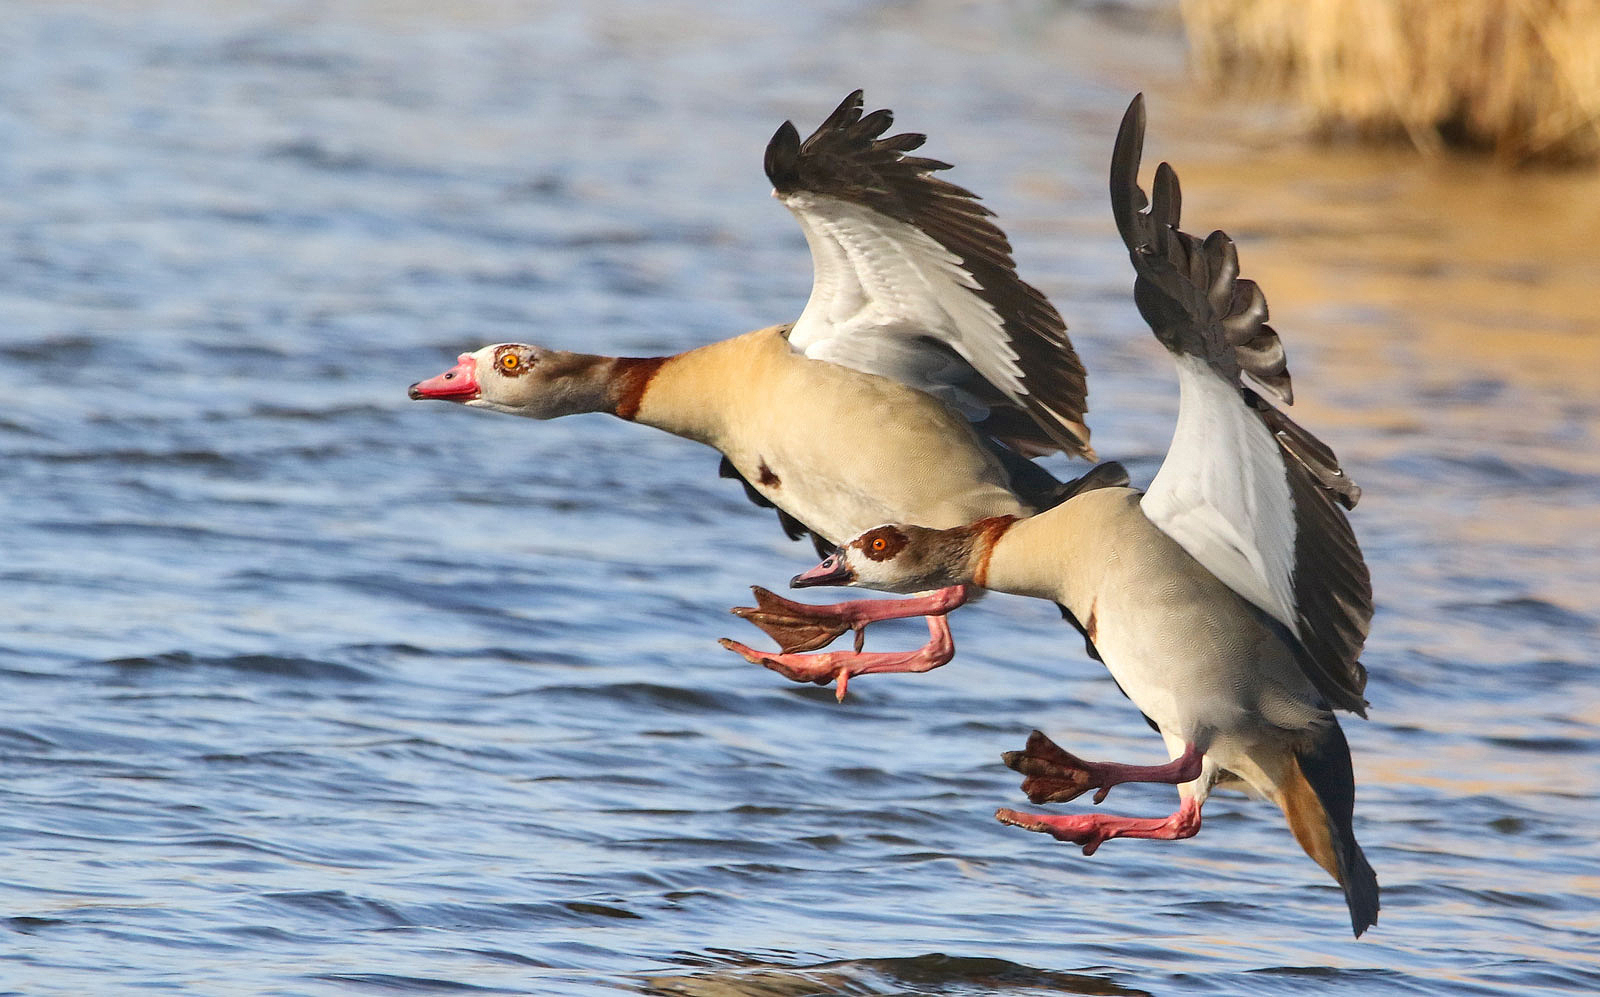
column 832, row 571
column 458, row 384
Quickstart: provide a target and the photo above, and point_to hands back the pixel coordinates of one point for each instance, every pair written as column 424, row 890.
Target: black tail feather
column 1325, row 763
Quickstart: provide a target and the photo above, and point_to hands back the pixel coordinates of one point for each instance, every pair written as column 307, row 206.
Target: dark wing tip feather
column 1166, row 205
column 875, row 124
column 848, row 111
column 1127, row 199
column 1188, row 289
column 908, row 142
column 1111, row 474
column 782, row 157
column 848, row 158
column 1308, row 452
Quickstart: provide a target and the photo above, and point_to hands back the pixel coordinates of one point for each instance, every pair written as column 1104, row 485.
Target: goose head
column 896, row 558
column 522, row 379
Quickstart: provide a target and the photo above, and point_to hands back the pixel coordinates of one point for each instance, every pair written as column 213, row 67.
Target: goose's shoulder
column 1105, row 514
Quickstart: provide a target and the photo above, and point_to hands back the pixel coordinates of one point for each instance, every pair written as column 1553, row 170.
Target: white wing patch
column 879, row 287
column 1223, row 493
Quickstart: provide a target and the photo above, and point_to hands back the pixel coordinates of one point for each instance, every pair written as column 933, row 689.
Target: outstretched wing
column 1248, row 493
column 913, row 281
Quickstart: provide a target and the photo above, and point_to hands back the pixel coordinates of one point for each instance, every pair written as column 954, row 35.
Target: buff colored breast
column 840, row 450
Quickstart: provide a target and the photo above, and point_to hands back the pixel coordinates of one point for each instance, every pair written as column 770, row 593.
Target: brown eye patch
column 882, row 543
column 509, row 361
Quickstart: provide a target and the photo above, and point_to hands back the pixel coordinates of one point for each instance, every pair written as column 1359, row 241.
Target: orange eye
column 879, row 545
column 510, row 361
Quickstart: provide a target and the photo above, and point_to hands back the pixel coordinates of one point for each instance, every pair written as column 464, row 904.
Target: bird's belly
column 1191, row 673
column 841, row 491
column 843, row 451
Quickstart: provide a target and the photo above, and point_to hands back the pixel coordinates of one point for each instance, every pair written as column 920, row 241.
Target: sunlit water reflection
column 316, row 690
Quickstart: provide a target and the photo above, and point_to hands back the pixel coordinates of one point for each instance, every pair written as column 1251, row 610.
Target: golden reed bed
column 1518, row 77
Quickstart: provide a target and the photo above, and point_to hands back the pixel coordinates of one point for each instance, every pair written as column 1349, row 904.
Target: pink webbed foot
column 1055, row 775
column 798, row 627
column 839, row 666
column 1093, row 830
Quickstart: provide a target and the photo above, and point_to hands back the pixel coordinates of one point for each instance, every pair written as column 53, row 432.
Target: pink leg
column 840, row 665
column 797, row 626
column 1091, row 830
column 1054, row 775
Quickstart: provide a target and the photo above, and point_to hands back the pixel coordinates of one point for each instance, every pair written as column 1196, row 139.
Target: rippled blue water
column 314, row 690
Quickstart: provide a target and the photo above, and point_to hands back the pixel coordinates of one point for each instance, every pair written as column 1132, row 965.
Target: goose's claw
column 796, row 626
column 840, row 666
column 1054, row 775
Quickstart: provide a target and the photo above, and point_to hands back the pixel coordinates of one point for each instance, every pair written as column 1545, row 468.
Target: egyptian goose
column 1230, row 601
column 916, row 383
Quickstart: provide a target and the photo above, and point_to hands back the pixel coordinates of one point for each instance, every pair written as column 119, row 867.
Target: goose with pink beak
column 1230, row 601
column 917, row 384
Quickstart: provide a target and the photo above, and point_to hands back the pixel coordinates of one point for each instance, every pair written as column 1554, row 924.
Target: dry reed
column 1518, row 77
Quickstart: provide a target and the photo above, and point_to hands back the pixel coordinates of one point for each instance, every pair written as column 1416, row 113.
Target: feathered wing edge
column 847, row 159
column 1190, row 293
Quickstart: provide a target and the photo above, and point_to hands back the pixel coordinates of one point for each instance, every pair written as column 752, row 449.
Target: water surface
column 315, row 690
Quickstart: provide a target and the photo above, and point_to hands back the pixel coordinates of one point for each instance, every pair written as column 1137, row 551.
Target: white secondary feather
column 880, row 286
column 1223, row 492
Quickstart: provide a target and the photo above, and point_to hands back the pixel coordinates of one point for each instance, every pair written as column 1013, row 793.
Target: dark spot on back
column 766, row 477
